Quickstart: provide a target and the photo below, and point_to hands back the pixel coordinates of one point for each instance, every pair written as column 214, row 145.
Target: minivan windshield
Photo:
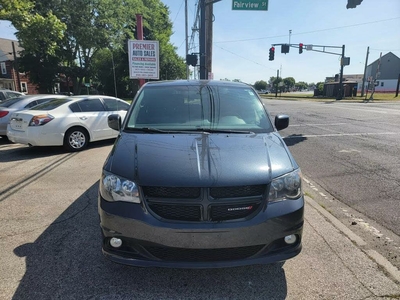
column 194, row 108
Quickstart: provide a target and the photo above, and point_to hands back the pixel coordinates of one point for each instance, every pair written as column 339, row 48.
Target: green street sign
column 249, row 4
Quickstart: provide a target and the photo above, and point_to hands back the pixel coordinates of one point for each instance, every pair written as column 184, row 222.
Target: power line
column 179, row 10
column 245, row 58
column 308, row 32
column 385, row 50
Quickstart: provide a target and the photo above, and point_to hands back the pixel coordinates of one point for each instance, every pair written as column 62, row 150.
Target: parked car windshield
column 52, row 104
column 9, row 102
column 190, row 108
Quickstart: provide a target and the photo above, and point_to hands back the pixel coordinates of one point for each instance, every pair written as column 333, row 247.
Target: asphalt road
column 351, row 152
column 50, row 235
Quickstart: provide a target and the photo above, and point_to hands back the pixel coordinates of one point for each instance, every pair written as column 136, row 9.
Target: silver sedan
column 9, row 106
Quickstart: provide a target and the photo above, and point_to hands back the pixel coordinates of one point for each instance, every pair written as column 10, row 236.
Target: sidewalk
column 335, row 263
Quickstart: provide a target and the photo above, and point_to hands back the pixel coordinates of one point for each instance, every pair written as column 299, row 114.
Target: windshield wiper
column 210, row 130
column 200, row 129
column 148, row 130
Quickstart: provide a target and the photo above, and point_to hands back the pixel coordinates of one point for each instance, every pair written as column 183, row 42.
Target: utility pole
column 204, row 52
column 202, row 39
column 16, row 68
column 186, row 37
column 139, row 28
column 365, row 73
column 276, row 85
column 377, row 74
column 209, row 37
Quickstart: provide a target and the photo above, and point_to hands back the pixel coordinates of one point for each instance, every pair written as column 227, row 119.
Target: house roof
column 383, row 56
column 6, row 49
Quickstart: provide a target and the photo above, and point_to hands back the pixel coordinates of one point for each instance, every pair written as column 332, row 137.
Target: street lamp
column 115, row 82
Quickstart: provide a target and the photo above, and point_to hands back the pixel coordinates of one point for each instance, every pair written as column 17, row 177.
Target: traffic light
column 353, row 3
column 285, row 48
column 271, row 53
column 191, row 59
column 300, row 48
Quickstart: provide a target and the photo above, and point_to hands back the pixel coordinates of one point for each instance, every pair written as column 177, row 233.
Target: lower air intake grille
column 203, row 255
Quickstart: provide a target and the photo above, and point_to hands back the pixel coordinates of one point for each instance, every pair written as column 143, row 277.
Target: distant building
column 384, row 72
column 351, row 85
column 9, row 78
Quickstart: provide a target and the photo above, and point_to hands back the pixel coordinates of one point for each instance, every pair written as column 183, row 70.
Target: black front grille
column 231, row 212
column 172, row 192
column 203, row 255
column 237, row 191
column 204, row 204
column 177, row 211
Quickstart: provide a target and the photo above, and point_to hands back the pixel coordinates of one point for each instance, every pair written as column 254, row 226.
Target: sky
column 241, row 39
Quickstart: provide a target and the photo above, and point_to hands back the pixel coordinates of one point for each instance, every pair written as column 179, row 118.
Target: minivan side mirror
column 281, row 122
column 114, row 122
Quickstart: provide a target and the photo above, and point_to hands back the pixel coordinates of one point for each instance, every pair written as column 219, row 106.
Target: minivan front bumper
column 148, row 241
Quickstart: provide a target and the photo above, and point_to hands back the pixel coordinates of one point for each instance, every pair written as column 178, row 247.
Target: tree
column 320, row 87
column 260, row 85
column 301, row 85
column 39, row 35
column 274, row 80
column 68, row 34
column 289, row 83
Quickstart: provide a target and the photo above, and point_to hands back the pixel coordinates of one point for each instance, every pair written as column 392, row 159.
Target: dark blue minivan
column 199, row 177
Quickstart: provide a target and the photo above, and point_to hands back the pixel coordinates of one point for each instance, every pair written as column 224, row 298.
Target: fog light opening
column 290, row 239
column 115, row 242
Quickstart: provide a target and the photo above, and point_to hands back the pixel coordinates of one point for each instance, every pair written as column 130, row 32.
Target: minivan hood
column 199, row 159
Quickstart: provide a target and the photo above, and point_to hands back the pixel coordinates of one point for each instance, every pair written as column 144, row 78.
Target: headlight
column 286, row 187
column 115, row 188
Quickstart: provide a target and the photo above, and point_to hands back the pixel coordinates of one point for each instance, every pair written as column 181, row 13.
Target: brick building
column 9, row 77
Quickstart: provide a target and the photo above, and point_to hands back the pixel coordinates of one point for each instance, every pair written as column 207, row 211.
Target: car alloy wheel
column 76, row 139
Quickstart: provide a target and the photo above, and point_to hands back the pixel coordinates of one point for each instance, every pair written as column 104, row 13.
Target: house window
column 24, row 87
column 382, row 83
column 3, row 68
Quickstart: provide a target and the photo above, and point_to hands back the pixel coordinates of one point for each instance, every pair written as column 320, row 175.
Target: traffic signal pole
column 344, row 61
column 340, row 91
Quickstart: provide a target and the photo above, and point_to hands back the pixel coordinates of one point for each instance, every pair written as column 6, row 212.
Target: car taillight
column 40, row 120
column 3, row 113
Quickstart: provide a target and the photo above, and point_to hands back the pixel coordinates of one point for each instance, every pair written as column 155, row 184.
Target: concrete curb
column 378, row 258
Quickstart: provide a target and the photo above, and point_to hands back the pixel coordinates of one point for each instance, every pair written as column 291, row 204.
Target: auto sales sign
column 144, row 59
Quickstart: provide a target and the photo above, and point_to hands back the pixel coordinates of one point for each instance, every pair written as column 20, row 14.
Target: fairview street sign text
column 249, row 4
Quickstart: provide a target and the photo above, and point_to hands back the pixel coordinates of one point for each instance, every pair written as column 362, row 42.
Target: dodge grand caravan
column 199, row 177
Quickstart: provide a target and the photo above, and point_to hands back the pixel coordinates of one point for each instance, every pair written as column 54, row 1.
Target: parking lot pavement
column 50, row 249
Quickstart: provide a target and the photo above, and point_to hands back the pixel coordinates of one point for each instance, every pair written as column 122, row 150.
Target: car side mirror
column 114, row 122
column 281, row 122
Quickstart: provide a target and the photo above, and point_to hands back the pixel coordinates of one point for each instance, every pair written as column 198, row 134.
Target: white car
column 71, row 122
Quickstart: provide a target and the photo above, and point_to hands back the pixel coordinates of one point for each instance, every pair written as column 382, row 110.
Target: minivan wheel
column 76, row 139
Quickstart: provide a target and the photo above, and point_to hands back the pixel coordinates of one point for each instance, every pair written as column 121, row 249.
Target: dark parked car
column 199, row 177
